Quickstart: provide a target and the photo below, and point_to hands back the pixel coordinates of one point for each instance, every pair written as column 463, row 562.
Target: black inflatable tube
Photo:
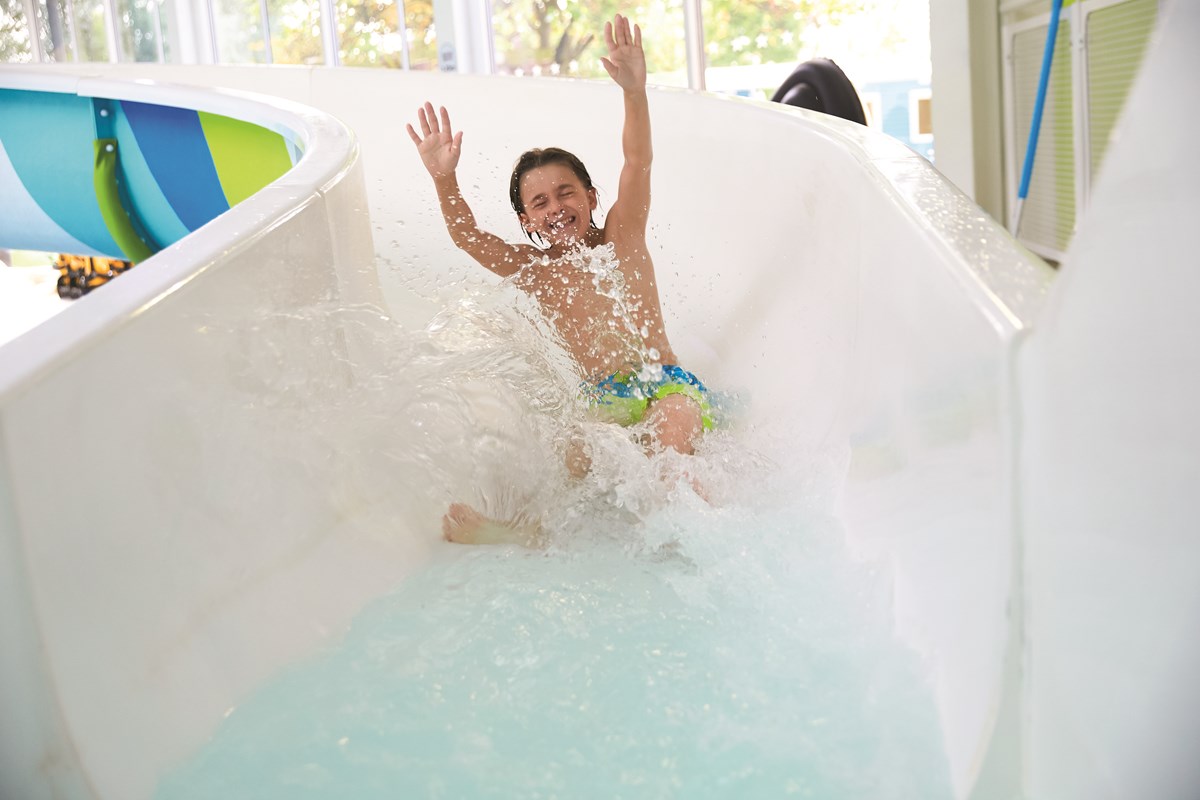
column 820, row 85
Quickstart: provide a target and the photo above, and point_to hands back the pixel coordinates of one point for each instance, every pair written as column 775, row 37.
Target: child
column 629, row 378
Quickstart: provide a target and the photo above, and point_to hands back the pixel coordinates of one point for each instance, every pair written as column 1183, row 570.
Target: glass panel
column 295, row 31
column 14, row 33
column 881, row 45
column 422, row 36
column 240, row 38
column 541, row 37
column 54, row 30
column 370, row 33
column 141, row 30
column 1117, row 37
column 90, row 36
column 753, row 45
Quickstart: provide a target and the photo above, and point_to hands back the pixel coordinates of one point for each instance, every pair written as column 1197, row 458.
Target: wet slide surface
column 659, row 645
column 314, row 407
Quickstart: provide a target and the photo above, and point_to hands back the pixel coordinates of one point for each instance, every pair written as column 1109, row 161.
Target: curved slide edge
column 166, row 349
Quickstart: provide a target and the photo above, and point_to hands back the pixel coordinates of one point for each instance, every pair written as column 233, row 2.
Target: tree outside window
column 141, row 28
column 370, row 33
column 89, row 33
column 240, row 37
column 295, row 31
column 566, row 37
column 14, row 33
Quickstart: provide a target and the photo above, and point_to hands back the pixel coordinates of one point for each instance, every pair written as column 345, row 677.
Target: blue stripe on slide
column 176, row 152
column 24, row 226
column 48, row 137
column 150, row 206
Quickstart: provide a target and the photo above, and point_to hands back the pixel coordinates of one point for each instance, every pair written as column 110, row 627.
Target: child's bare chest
column 569, row 294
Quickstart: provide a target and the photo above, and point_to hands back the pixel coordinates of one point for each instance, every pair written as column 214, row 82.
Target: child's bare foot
column 465, row 525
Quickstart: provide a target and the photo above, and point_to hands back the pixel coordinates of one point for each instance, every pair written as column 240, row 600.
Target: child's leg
column 578, row 460
column 465, row 525
column 677, row 422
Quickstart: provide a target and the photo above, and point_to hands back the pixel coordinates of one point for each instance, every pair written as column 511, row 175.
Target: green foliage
column 539, row 37
column 369, row 33
column 295, row 31
column 14, row 35
column 551, row 37
column 543, row 37
column 138, row 26
column 738, row 33
column 89, row 16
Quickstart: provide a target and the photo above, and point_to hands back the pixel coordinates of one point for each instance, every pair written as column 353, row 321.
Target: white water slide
column 1024, row 446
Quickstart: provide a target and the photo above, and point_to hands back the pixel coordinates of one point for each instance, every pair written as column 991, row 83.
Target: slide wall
column 1109, row 458
column 859, row 302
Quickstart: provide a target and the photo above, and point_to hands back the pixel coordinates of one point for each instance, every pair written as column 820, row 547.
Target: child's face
column 557, row 205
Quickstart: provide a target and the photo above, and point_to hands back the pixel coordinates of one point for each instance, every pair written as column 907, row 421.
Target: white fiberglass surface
column 657, row 644
column 1109, row 459
column 851, row 312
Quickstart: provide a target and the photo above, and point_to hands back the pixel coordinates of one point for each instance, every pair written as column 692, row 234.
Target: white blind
column 1048, row 218
column 1116, row 37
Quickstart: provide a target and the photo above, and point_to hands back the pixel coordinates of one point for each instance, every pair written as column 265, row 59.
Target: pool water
column 658, row 645
column 751, row 658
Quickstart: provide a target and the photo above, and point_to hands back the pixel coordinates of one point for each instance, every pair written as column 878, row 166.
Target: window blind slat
column 1116, row 38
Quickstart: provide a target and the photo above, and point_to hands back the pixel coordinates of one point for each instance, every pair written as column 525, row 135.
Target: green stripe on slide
column 247, row 156
column 108, row 197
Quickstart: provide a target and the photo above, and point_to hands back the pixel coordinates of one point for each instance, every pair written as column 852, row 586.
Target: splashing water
column 659, row 646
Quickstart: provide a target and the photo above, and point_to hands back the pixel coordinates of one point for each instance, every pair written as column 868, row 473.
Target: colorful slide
column 123, row 179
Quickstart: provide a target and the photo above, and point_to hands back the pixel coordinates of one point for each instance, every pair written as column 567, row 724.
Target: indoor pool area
column 338, row 433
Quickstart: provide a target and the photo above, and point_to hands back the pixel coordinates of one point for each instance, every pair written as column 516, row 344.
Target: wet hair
column 540, row 157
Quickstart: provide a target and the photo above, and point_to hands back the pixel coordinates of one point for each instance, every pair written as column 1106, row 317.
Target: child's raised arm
column 626, row 64
column 440, row 149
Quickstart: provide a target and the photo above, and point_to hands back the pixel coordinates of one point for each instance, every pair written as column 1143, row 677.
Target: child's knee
column 678, row 422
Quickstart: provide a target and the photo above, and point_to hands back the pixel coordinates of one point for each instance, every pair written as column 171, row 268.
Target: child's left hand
column 626, row 62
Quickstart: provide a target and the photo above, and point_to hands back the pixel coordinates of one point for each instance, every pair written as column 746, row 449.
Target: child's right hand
column 439, row 148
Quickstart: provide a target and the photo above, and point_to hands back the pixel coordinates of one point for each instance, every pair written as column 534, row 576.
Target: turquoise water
column 747, row 658
column 659, row 645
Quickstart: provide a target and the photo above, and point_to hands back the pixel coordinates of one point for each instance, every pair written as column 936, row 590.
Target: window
column 567, row 38
column 295, row 28
column 752, row 47
column 89, row 30
column 1048, row 219
column 387, row 33
column 239, row 31
column 14, row 33
column 141, row 30
column 1117, row 37
column 1099, row 50
column 54, row 30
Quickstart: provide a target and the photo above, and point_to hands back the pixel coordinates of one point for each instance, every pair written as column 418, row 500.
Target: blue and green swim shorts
column 623, row 397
